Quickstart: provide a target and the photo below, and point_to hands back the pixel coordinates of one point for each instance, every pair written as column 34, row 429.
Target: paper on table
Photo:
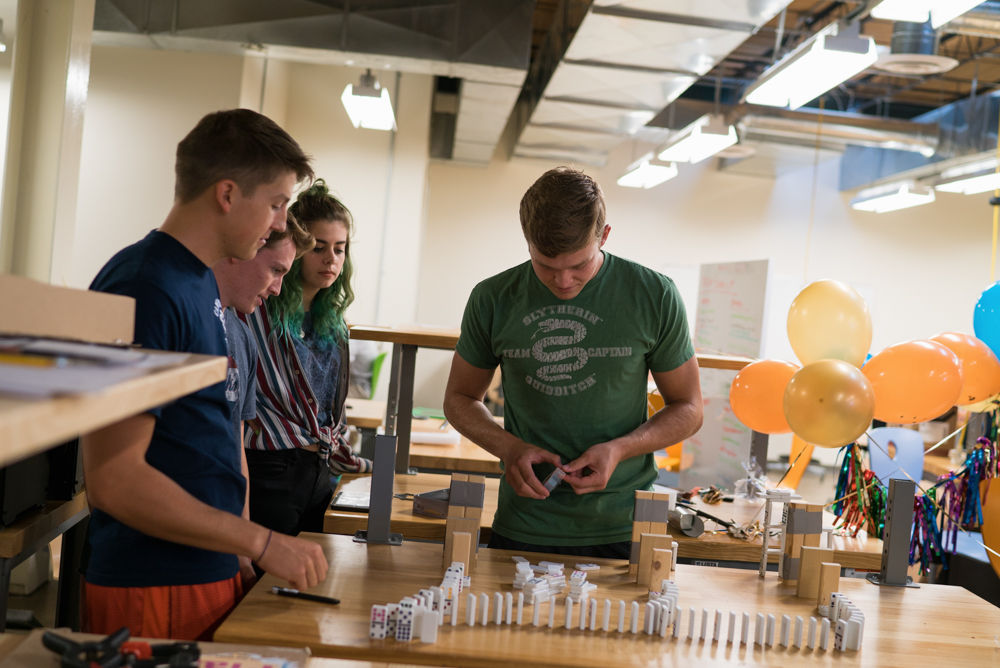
column 449, row 437
column 57, row 381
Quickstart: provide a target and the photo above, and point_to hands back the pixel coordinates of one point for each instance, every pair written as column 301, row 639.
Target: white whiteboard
column 731, row 319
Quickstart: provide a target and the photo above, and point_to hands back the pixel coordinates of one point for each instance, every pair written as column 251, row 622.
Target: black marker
column 295, row 593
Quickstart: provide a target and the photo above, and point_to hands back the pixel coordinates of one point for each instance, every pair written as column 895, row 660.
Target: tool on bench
column 115, row 651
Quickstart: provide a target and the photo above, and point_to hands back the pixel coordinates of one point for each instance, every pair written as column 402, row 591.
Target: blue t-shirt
column 176, row 308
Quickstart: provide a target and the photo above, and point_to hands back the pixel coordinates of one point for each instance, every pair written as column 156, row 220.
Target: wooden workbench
column 861, row 553
column 932, row 625
column 936, row 466
column 29, row 426
column 403, row 521
column 364, row 413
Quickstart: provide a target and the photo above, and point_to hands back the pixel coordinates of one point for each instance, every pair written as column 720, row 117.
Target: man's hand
column 591, row 471
column 517, row 462
column 299, row 561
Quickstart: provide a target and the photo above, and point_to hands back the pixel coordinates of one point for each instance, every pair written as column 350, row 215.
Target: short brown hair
column 562, row 212
column 304, row 242
column 237, row 144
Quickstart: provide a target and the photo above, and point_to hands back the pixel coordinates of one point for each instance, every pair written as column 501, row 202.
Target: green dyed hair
column 327, row 309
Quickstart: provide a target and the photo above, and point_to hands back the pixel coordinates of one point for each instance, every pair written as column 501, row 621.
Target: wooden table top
column 29, row 426
column 938, row 466
column 36, row 524
column 414, row 335
column 861, row 552
column 466, row 457
column 403, row 521
column 27, row 651
column 932, row 625
column 365, row 413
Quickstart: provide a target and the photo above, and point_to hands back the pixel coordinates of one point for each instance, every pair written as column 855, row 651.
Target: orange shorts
column 184, row 612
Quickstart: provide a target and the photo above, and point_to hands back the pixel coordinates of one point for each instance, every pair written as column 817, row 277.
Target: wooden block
column 808, row 507
column 829, row 582
column 648, row 543
column 809, row 560
column 460, row 545
column 473, row 513
column 659, row 568
column 639, row 528
column 658, row 527
column 453, row 525
column 453, row 510
column 459, row 477
column 811, row 539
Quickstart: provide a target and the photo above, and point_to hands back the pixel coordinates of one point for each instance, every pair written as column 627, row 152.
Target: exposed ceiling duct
column 914, row 51
column 628, row 60
column 485, row 44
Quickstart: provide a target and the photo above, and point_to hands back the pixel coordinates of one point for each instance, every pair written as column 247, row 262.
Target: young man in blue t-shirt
column 166, row 487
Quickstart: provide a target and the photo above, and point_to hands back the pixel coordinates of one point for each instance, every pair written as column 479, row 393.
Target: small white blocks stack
column 579, row 588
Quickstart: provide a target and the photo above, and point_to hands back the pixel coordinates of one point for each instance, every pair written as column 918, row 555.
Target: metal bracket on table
column 380, row 497
column 896, row 536
column 399, row 407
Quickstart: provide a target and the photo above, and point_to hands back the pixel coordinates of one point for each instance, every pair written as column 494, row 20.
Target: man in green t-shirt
column 575, row 331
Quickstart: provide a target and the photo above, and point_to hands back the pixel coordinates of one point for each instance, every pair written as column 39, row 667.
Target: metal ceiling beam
column 627, row 68
column 599, row 103
column 679, row 19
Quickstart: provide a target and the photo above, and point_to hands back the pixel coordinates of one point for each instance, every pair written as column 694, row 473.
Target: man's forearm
column 149, row 501
column 671, row 425
column 474, row 421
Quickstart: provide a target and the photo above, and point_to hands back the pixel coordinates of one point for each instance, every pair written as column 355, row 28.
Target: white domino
column 569, row 612
column 484, row 603
column 824, row 634
column 677, row 622
column 732, row 627
column 429, row 627
column 745, row 628
column 691, row 619
column 812, row 633
column 770, row 630
column 535, row 613
column 621, row 616
column 470, row 610
column 704, row 624
column 498, row 608
column 508, row 604
column 520, row 607
column 378, row 622
column 592, row 610
column 606, row 622
column 798, row 632
column 758, row 635
column 635, row 618
column 785, row 624
column 552, row 611
column 718, row 624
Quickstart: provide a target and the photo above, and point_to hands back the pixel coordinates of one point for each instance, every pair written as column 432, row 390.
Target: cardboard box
column 33, row 308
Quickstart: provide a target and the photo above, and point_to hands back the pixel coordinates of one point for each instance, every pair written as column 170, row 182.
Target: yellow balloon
column 984, row 405
column 829, row 403
column 830, row 320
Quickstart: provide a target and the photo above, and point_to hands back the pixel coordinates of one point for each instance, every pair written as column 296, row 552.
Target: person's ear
column 604, row 235
column 225, row 194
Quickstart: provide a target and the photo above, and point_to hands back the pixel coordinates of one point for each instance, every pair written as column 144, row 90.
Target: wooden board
column 935, row 466
column 29, row 426
column 365, row 413
column 30, row 528
column 861, row 552
column 403, row 521
column 932, row 625
column 27, row 651
column 425, row 337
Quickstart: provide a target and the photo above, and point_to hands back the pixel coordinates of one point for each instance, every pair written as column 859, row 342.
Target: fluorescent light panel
column 646, row 174
column 822, row 63
column 892, row 197
column 368, row 111
column 938, row 12
column 972, row 184
column 702, row 139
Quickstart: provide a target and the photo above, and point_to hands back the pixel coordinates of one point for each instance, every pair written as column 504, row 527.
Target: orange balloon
column 829, row 403
column 914, row 381
column 980, row 366
column 757, row 392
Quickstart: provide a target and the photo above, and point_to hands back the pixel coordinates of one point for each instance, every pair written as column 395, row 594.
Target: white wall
column 922, row 269
column 141, row 104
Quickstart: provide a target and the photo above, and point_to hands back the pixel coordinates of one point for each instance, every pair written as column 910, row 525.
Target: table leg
column 404, row 413
column 367, row 442
column 68, row 600
column 392, row 401
column 380, row 497
column 6, row 566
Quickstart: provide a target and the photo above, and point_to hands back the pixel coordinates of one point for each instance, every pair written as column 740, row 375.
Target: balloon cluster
column 832, row 398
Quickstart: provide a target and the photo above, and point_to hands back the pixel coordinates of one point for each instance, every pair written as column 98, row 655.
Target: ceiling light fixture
column 971, row 179
column 368, row 104
column 892, row 197
column 647, row 173
column 702, row 139
column 825, row 61
column 938, row 12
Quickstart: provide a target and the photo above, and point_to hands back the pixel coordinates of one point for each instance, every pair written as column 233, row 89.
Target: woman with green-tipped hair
column 297, row 438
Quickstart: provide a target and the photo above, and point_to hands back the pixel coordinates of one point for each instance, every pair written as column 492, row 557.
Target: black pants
column 607, row 551
column 290, row 490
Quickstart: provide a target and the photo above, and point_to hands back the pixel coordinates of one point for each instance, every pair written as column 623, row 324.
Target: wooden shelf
column 29, row 426
column 30, row 528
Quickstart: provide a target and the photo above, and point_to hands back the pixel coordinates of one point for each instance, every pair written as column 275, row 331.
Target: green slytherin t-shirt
column 574, row 375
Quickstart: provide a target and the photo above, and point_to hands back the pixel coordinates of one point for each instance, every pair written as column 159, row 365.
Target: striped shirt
column 287, row 413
